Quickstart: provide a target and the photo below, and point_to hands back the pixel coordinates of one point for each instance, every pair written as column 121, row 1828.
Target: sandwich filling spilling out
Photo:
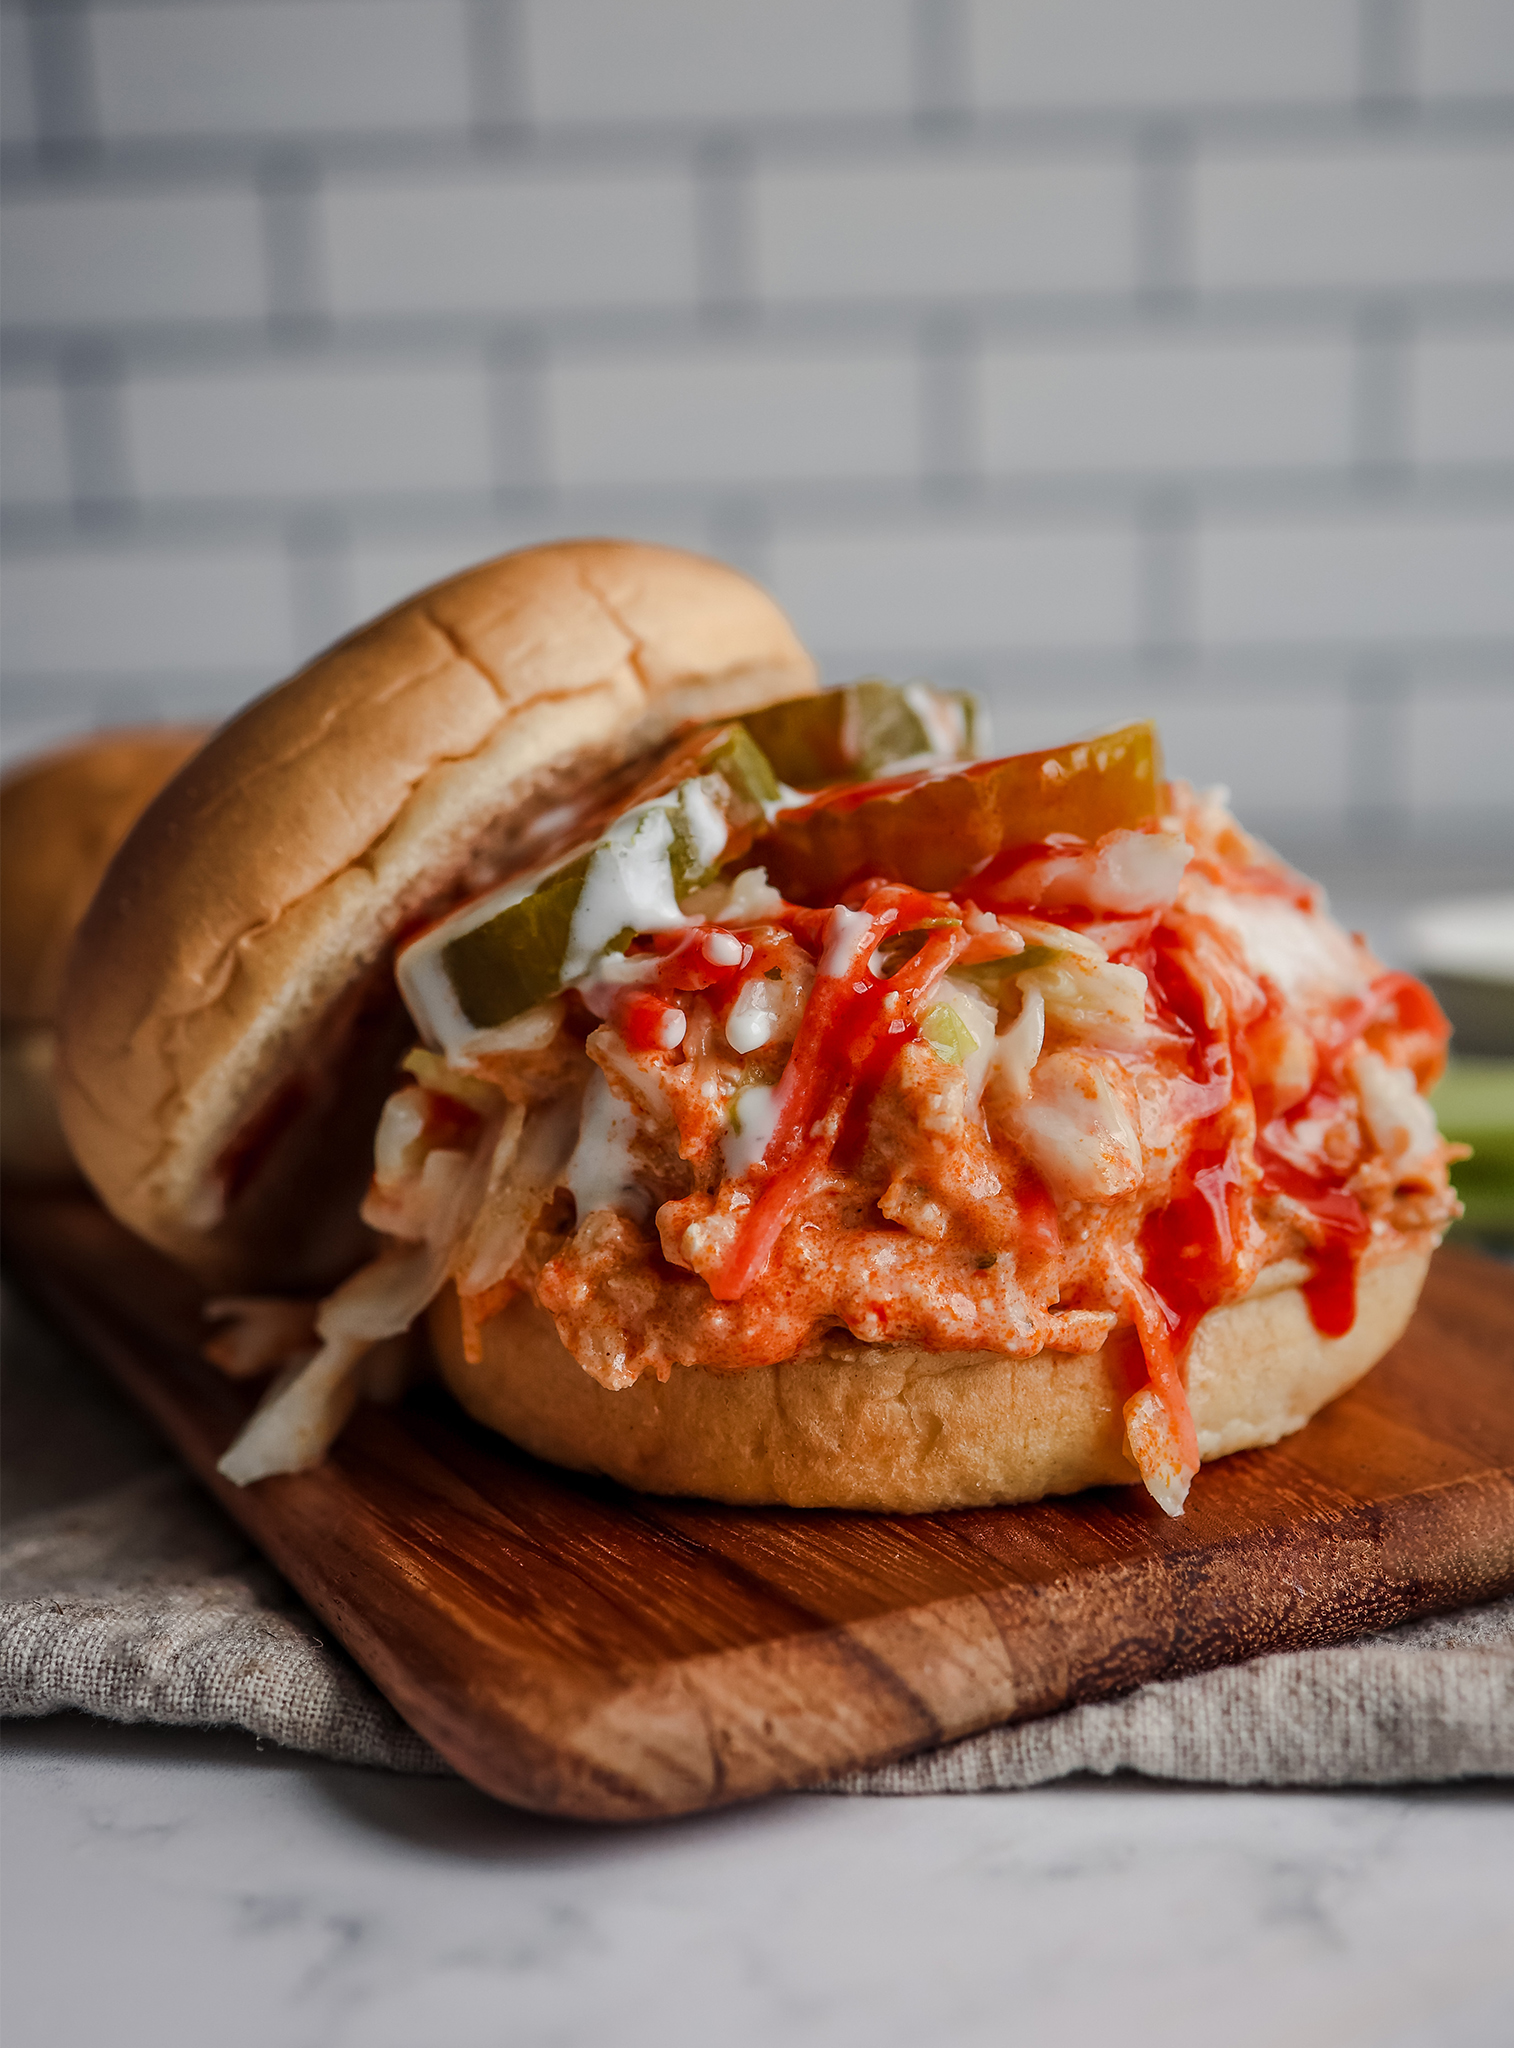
column 988, row 1057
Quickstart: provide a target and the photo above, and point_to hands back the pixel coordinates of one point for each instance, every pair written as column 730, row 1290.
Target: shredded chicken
column 1112, row 1087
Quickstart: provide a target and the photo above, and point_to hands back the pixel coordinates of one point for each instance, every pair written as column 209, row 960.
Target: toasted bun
column 229, row 1025
column 892, row 1428
column 62, row 817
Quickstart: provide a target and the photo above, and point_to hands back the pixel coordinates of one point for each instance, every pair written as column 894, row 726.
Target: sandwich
column 62, row 816
column 752, row 1091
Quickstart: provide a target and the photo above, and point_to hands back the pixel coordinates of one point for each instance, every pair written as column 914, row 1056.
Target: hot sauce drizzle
column 1339, row 1219
column 856, row 1024
column 1188, row 1247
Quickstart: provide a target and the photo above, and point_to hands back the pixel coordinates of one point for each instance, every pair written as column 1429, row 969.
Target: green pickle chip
column 699, row 810
column 714, row 799
column 854, row 733
column 510, row 964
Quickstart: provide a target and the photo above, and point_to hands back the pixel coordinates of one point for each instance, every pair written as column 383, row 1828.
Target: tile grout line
column 726, row 288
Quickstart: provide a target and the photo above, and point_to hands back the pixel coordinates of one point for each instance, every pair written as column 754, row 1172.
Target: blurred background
column 1105, row 356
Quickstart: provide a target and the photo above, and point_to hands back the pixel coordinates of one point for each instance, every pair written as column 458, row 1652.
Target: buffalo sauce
column 1341, row 1223
column 1189, row 1247
column 889, row 1036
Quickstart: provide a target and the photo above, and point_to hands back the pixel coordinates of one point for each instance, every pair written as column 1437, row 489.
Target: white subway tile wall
column 707, row 416
column 1359, row 215
column 64, row 614
column 299, row 67
column 973, row 226
column 1374, row 579
column 338, row 430
column 1158, row 405
column 1442, row 772
column 619, row 63
column 502, row 239
column 963, row 590
column 1466, row 47
column 91, row 261
column 1157, row 53
column 34, row 443
column 1103, row 355
column 16, row 123
column 1461, row 402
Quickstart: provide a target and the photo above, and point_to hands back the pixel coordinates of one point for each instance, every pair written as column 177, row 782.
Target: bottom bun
column 892, row 1428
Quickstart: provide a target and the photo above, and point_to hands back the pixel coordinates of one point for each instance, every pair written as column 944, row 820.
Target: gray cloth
column 146, row 1604
column 1433, row 1699
column 138, row 1600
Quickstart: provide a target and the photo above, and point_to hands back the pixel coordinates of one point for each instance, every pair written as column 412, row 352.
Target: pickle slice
column 936, row 827
column 854, row 733
column 520, row 944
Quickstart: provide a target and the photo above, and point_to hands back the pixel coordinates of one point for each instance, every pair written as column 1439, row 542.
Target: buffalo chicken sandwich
column 753, row 1094
column 62, row 816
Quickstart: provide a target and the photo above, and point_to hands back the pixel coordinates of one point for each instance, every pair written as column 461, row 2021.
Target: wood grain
column 584, row 1651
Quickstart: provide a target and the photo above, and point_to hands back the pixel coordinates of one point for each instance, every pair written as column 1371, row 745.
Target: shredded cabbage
column 303, row 1411
column 257, row 1333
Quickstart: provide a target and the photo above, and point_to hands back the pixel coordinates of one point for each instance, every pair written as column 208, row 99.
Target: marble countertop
column 185, row 1888
column 175, row 1887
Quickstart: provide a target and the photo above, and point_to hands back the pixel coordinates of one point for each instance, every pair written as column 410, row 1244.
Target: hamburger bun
column 893, row 1428
column 230, row 1025
column 62, row 817
column 231, row 1032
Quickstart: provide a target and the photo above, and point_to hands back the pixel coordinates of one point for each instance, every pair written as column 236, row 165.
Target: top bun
column 62, row 816
column 229, row 1026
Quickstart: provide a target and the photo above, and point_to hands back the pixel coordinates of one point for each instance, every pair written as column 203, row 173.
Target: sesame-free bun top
column 62, row 816
column 229, row 1025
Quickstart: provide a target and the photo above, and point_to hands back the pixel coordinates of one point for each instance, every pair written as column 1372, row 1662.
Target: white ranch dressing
column 844, row 931
column 422, row 978
column 787, row 799
column 532, row 1031
column 749, row 899
column 754, row 1118
column 428, row 994
column 752, row 1018
column 704, row 823
column 629, row 885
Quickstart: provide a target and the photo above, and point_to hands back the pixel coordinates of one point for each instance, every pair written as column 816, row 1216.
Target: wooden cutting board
column 584, row 1651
